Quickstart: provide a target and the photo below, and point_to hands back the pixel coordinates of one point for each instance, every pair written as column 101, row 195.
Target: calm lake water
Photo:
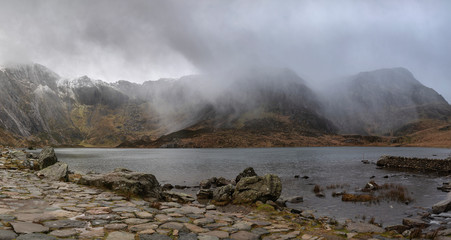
column 323, row 165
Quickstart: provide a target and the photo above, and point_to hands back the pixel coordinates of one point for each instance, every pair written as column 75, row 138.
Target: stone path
column 35, row 208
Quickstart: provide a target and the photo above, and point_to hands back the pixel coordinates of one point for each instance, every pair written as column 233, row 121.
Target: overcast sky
column 146, row 40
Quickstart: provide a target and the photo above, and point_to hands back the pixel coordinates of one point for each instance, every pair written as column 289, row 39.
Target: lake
column 323, row 165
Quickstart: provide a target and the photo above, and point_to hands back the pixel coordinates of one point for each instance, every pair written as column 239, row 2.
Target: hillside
column 382, row 101
column 82, row 111
column 251, row 108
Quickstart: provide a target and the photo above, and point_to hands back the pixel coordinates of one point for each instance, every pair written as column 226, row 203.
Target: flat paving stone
column 28, row 227
column 172, row 225
column 189, row 236
column 154, row 236
column 219, row 234
column 36, row 236
column 64, row 233
column 7, row 235
column 244, row 235
column 65, row 224
column 120, row 236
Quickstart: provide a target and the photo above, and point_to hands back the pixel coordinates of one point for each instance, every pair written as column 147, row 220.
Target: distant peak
column 398, row 74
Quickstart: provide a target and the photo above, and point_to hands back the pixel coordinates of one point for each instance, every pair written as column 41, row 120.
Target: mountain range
column 257, row 107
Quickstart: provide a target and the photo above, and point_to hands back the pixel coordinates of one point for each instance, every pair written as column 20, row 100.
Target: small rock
column 415, row 223
column 298, row 199
column 364, row 228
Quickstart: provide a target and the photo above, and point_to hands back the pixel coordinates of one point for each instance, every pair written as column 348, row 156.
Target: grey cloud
column 141, row 40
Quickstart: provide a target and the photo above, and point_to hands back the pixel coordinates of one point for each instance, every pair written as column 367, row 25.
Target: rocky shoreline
column 41, row 199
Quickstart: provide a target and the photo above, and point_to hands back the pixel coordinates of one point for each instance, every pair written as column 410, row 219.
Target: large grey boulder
column 47, row 157
column 223, row 195
column 56, row 172
column 252, row 189
column 126, row 182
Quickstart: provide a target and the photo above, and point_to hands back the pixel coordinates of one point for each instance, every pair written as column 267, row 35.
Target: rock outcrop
column 223, row 195
column 47, row 157
column 248, row 172
column 252, row 189
column 419, row 164
column 56, row 172
column 126, row 182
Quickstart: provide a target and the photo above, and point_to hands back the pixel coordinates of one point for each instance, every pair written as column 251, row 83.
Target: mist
column 147, row 40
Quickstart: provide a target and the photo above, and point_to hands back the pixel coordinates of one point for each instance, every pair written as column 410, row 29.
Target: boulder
column 255, row 188
column 47, row 157
column 415, row 223
column 214, row 182
column 223, row 194
column 204, row 194
column 248, row 172
column 442, row 206
column 298, row 199
column 57, row 172
column 126, row 182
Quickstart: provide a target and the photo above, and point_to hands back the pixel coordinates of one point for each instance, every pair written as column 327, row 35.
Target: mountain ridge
column 258, row 107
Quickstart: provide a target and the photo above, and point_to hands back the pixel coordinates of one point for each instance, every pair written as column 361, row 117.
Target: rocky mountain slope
column 381, row 102
column 252, row 108
column 39, row 107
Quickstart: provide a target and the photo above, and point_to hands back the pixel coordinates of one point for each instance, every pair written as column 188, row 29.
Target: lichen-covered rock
column 252, row 189
column 126, row 182
column 47, row 157
column 57, row 172
column 223, row 194
column 204, row 194
column 248, row 172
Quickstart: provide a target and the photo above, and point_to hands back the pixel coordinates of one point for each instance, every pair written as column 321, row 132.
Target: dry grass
column 317, row 189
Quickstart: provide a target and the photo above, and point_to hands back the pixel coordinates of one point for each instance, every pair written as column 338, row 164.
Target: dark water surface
column 323, row 165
